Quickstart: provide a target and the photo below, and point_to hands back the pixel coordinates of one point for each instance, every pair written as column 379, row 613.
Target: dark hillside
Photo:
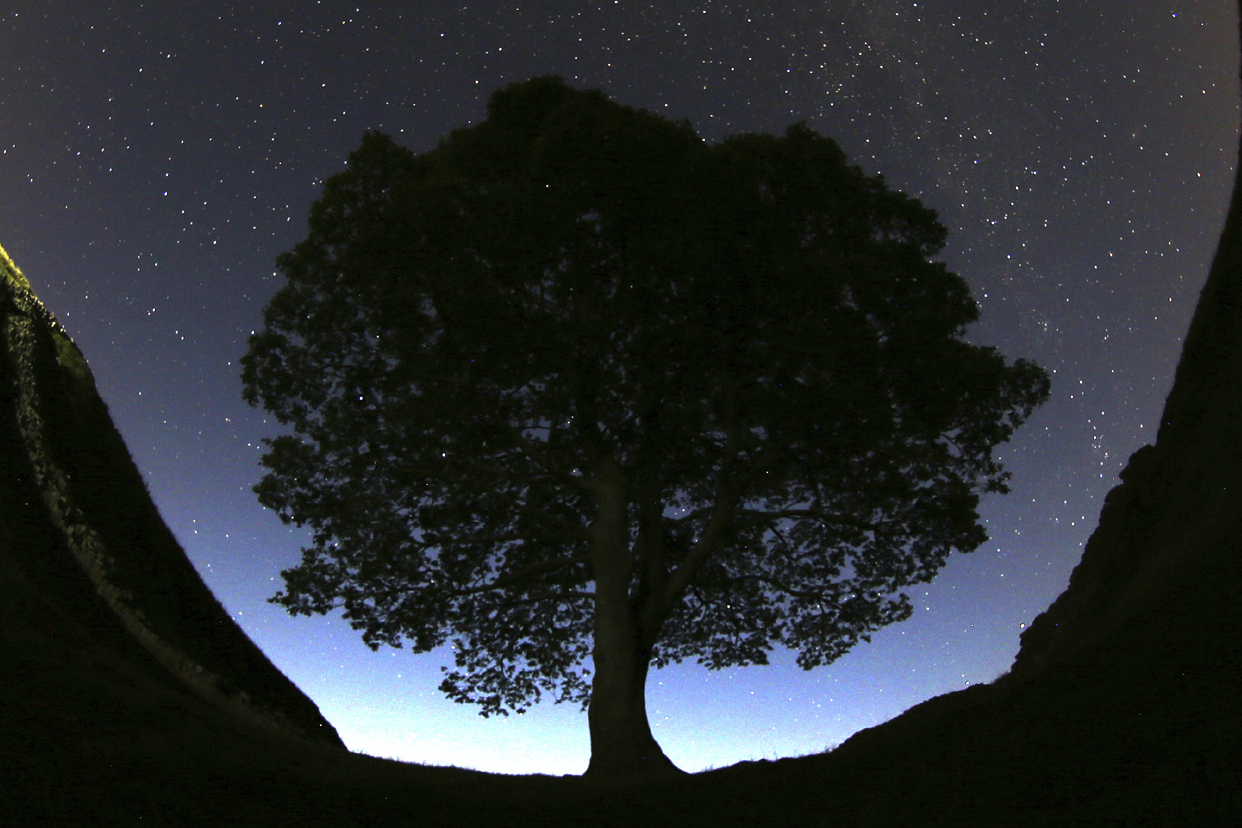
column 103, row 615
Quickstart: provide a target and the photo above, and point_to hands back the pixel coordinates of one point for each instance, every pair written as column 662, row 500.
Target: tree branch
column 523, row 447
column 513, row 578
column 765, row 579
column 571, row 534
column 728, row 494
column 759, row 516
column 554, row 596
column 651, row 551
column 703, row 549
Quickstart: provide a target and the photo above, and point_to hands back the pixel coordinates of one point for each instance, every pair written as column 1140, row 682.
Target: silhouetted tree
column 574, row 383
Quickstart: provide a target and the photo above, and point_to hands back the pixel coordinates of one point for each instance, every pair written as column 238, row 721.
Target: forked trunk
column 621, row 741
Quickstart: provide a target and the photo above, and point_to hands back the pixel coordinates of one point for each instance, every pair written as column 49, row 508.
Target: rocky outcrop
column 70, row 482
column 1175, row 522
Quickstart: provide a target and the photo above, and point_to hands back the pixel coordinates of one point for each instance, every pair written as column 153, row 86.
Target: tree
column 576, row 384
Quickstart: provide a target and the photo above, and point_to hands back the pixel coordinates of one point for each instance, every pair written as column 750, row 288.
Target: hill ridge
column 43, row 361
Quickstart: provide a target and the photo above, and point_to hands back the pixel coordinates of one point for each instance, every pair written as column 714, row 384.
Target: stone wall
column 31, row 336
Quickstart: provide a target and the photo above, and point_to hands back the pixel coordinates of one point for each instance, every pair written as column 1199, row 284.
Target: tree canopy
column 577, row 388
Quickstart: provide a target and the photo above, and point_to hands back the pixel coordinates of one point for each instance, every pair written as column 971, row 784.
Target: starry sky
column 156, row 157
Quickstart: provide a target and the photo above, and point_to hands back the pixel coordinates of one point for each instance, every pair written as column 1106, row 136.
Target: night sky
column 155, row 158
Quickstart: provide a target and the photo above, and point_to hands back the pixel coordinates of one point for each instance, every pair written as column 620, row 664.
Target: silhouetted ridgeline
column 1166, row 527
column 1123, row 703
column 71, row 495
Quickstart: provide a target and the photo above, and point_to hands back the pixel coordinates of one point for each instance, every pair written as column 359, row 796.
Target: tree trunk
column 621, row 740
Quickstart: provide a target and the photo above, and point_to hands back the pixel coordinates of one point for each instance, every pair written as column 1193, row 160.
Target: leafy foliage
column 750, row 339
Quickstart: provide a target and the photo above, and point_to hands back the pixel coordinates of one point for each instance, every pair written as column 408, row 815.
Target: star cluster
column 156, row 157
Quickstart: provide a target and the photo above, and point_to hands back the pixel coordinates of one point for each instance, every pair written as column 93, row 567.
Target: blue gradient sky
column 156, row 157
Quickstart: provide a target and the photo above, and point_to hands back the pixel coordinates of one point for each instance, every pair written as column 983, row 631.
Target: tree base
column 640, row 769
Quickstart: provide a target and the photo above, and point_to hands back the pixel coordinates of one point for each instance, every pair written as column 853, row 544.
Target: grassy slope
column 74, row 682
